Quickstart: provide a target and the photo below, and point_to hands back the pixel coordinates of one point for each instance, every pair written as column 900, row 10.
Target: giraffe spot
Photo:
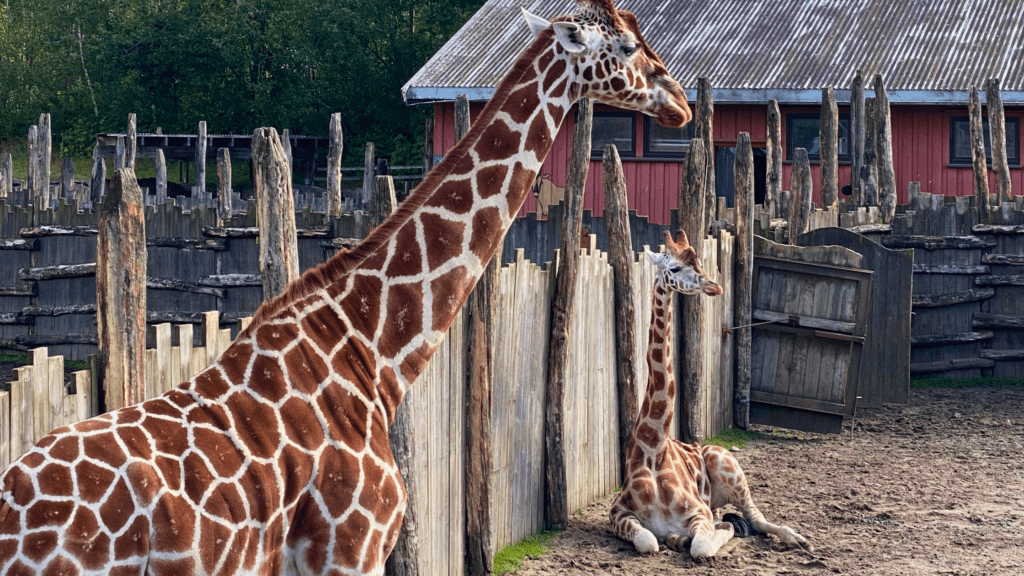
column 450, row 291
column 92, row 425
column 92, row 481
column 658, row 356
column 134, row 542
column 10, row 524
column 538, row 138
column 306, row 368
column 235, row 360
column 556, row 73
column 197, row 477
column 486, row 233
column 137, row 442
column 84, row 525
column 407, row 260
column 350, row 535
column 297, row 468
column 174, row 521
column 382, row 496
column 48, row 513
column 248, row 539
column 324, row 328
column 209, row 384
column 453, row 195
column 644, row 492
column 520, row 184
column 37, row 546
column 497, row 142
column 183, row 566
column 522, row 103
column 544, row 60
column 276, row 336
column 301, row 424
column 404, row 320
column 259, row 482
column 144, row 480
column 490, row 181
column 657, row 409
column 362, row 305
column 588, row 73
column 560, row 89
column 355, row 363
column 618, row 84
column 19, row 568
column 117, row 507
column 372, row 561
column 379, row 444
column 348, row 416
column 169, row 436
column 180, row 399
column 33, row 460
column 648, row 435
column 210, row 414
column 267, row 379
column 601, row 70
column 443, row 237
column 256, row 425
column 311, row 535
column 58, row 480
column 414, row 362
column 223, row 455
column 337, row 477
column 92, row 554
column 389, row 392
column 215, row 541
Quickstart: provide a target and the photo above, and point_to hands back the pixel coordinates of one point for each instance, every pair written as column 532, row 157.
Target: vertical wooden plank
column 163, row 382
column 56, row 393
column 23, row 399
column 83, row 393
column 883, row 146
column 5, row 430
column 691, row 222
column 41, row 401
column 978, row 157
column 200, row 157
column 828, row 128
column 161, row 177
column 334, row 167
column 185, row 352
column 369, row 161
column 67, row 178
column 6, row 175
column 224, row 207
column 800, row 201
column 743, row 281
column 857, row 137
column 997, row 138
column 45, row 149
column 279, row 256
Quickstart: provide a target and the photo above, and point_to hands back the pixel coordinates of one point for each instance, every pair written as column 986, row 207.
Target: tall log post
column 161, row 177
column 369, row 162
column 869, row 166
column 705, row 130
column 428, row 146
column 224, row 201
column 857, row 137
column 334, row 167
column 279, row 255
column 32, row 177
column 829, row 157
column 67, row 178
column 462, row 118
column 620, row 256
column 743, row 168
column 45, row 152
column 130, row 143
column 691, row 221
column 800, row 194
column 997, row 138
column 200, row 158
column 773, row 195
column 98, row 181
column 978, row 157
column 883, row 156
column 6, row 175
column 556, row 513
column 121, row 291
column 120, row 161
column 286, row 143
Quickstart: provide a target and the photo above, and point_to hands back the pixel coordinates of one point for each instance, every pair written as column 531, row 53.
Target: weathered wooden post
column 828, row 128
column 32, row 176
column 120, row 162
column 369, row 161
column 743, row 168
column 130, row 143
column 201, row 159
column 556, row 511
column 705, row 130
column 978, row 157
column 224, row 200
column 45, row 149
column 620, row 256
column 67, row 178
column 121, row 290
column 997, row 139
column 691, row 221
column 773, row 194
column 800, row 194
column 279, row 255
column 6, row 175
column 428, row 146
column 883, row 146
column 869, row 166
column 462, row 117
column 286, row 143
column 98, row 181
column 161, row 177
column 334, row 167
column 857, row 137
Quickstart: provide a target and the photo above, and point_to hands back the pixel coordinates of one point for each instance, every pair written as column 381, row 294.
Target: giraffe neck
column 398, row 292
column 659, row 401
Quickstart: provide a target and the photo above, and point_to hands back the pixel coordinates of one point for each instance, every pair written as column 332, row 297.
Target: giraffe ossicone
column 275, row 459
column 672, row 491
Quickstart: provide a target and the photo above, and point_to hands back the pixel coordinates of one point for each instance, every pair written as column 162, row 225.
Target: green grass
column 946, row 382
column 510, row 558
column 735, row 438
column 23, row 360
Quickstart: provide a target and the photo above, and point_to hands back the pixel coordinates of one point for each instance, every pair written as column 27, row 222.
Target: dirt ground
column 932, row 487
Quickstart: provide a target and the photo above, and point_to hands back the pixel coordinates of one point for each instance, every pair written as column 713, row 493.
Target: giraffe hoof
column 741, row 528
column 645, row 543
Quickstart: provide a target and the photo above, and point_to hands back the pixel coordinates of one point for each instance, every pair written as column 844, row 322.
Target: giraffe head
column 611, row 62
column 679, row 268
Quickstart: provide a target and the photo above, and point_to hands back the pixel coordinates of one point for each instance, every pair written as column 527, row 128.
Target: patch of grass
column 946, row 382
column 734, row 438
column 19, row 359
column 510, row 558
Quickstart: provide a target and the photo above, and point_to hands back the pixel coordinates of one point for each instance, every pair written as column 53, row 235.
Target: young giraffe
column 275, row 460
column 672, row 490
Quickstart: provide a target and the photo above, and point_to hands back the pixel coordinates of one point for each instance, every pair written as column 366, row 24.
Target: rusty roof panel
column 927, row 49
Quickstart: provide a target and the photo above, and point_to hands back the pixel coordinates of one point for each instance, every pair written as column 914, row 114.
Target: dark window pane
column 618, row 130
column 960, row 140
column 662, row 141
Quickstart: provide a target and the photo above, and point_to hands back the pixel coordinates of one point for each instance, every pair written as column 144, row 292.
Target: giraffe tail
column 741, row 528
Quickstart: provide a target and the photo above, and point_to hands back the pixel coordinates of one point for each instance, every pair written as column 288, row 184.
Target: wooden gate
column 807, row 356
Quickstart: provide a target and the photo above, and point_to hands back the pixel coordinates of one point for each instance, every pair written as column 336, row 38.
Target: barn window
column 662, row 142
column 802, row 131
column 617, row 128
column 960, row 141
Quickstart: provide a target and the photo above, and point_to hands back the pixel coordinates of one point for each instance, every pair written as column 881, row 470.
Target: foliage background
column 238, row 64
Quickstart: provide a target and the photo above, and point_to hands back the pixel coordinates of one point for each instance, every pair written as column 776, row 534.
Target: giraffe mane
column 346, row 260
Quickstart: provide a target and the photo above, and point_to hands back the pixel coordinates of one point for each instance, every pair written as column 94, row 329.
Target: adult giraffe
column 275, row 460
column 672, row 490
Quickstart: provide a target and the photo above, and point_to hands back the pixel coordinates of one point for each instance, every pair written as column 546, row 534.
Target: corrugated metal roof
column 753, row 50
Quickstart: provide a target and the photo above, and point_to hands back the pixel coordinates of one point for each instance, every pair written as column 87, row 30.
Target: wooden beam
column 999, row 280
column 743, row 169
column 958, row 338
column 45, row 150
column 978, row 157
column 951, row 298
column 67, row 178
column 1002, row 321
column 1005, row 259
column 950, row 269
column 807, row 322
column 773, row 191
column 828, row 129
column 883, row 144
column 279, row 256
column 161, row 177
column 98, row 182
column 1003, row 355
column 950, row 365
column 938, row 242
column 998, row 229
column 997, row 138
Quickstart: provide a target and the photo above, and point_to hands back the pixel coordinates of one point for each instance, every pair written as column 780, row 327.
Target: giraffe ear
column 536, row 23
column 570, row 36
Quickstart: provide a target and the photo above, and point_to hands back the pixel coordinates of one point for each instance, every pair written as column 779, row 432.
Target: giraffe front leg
column 627, row 526
column 708, row 539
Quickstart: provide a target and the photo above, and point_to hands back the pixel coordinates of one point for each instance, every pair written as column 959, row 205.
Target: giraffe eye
column 629, row 50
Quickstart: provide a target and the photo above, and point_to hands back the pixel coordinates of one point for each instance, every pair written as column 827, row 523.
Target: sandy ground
column 932, row 487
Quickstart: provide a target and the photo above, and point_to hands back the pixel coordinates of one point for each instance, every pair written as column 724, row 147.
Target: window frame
column 967, row 161
column 690, row 128
column 844, row 120
column 596, row 153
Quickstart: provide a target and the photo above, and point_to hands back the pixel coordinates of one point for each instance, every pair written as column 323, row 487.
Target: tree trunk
column 857, row 138
column 705, row 130
column 997, row 137
column 829, row 157
column 883, row 146
column 201, row 158
column 773, row 197
column 691, row 221
column 67, row 178
column 800, row 195
column 224, row 207
column 334, row 167
column 130, row 143
column 279, row 257
column 868, row 167
column 744, row 278
column 978, row 157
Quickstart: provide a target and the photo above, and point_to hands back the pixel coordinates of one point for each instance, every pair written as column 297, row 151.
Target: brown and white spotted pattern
column 275, row 460
column 673, row 491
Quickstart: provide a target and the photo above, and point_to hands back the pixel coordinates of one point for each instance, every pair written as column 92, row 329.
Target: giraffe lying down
column 673, row 491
